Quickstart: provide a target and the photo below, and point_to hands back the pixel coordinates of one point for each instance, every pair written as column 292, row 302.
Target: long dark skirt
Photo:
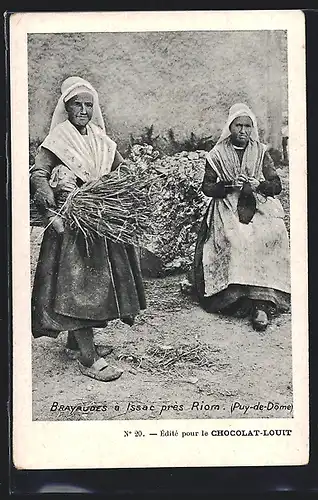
column 74, row 288
column 236, row 299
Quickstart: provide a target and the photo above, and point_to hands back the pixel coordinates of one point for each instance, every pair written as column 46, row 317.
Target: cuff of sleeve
column 266, row 188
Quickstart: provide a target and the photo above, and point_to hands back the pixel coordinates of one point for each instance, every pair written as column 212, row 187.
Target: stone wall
column 184, row 81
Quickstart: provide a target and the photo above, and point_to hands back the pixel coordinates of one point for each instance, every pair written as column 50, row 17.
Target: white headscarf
column 236, row 110
column 72, row 86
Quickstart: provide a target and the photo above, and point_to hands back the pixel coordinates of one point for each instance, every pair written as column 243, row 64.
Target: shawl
column 226, row 164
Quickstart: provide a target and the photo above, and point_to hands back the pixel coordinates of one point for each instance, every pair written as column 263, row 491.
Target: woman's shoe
column 100, row 370
column 259, row 319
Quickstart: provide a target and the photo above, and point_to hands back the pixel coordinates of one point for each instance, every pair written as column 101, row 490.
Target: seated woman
column 242, row 253
column 74, row 291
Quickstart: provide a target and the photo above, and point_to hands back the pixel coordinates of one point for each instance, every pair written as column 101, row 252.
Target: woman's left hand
column 254, row 183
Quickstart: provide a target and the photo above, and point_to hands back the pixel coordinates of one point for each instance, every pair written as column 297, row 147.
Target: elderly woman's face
column 80, row 109
column 241, row 129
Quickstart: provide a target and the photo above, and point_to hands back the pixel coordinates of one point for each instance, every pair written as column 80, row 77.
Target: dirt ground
column 234, row 366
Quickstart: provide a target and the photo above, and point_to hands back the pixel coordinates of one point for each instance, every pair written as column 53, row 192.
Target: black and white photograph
column 160, row 217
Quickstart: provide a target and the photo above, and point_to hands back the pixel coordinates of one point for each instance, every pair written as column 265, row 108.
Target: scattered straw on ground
column 164, row 357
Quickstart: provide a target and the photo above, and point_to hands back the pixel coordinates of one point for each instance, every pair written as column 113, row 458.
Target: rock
column 181, row 168
column 137, row 149
column 185, row 160
column 175, row 264
column 192, row 380
column 193, row 155
column 186, row 287
column 151, row 265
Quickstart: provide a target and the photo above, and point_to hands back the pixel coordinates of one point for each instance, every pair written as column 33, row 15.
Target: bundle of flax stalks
column 117, row 206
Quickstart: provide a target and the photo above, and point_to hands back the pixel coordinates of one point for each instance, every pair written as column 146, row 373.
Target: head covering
column 239, row 109
column 72, row 86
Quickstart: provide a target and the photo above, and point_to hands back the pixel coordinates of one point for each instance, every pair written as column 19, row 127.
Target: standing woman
column 74, row 291
column 242, row 252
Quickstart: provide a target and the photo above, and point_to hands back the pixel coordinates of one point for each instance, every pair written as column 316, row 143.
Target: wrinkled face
column 80, row 109
column 241, row 129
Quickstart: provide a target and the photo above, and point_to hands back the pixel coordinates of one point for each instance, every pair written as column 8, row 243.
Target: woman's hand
column 63, row 179
column 57, row 223
column 253, row 182
column 241, row 179
column 67, row 184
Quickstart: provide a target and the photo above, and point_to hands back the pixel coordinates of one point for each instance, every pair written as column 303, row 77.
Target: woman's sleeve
column 41, row 190
column 210, row 187
column 118, row 160
column 272, row 184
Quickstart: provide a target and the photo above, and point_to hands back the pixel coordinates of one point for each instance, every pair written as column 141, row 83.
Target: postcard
column 159, row 239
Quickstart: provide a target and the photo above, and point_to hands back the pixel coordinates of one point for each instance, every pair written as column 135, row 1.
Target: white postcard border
column 101, row 444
